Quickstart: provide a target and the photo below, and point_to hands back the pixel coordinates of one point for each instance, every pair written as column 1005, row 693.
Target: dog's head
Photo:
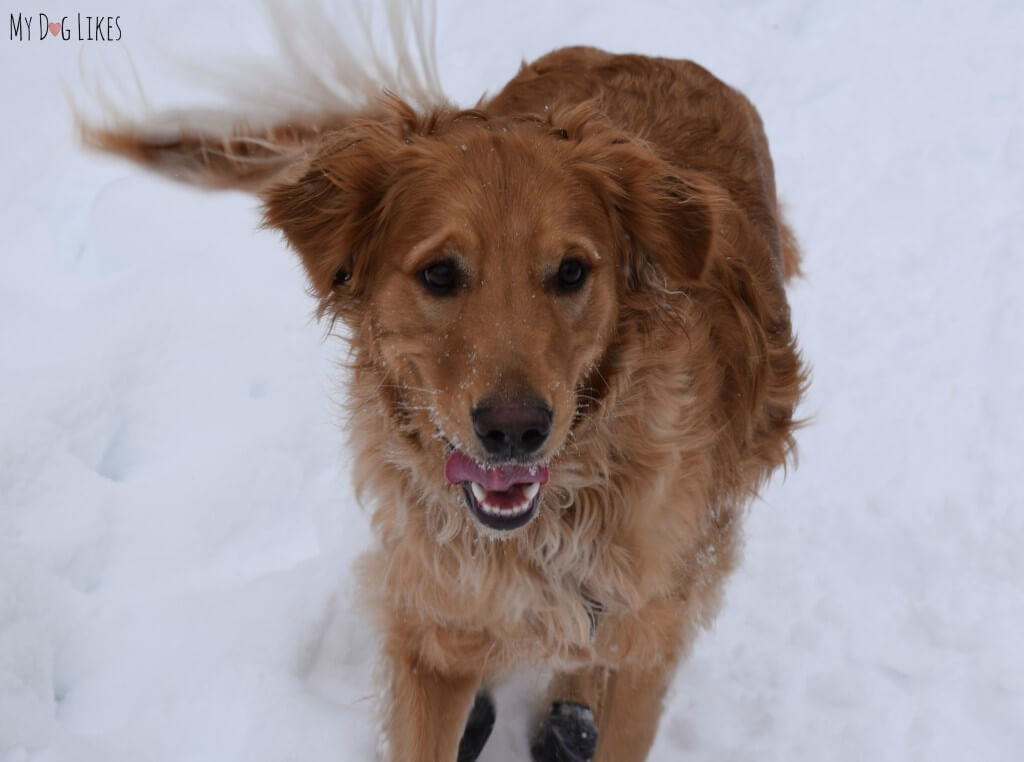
column 481, row 265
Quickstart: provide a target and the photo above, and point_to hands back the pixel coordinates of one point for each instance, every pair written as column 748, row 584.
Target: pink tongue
column 460, row 468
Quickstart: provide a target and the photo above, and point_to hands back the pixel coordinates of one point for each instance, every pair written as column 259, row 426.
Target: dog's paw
column 478, row 728
column 568, row 734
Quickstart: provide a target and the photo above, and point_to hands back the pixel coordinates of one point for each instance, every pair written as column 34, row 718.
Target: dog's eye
column 440, row 278
column 572, row 274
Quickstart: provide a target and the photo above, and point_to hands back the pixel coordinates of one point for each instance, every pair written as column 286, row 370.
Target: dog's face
column 482, row 268
column 495, row 298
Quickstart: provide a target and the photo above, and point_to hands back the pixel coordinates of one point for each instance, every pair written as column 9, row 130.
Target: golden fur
column 673, row 376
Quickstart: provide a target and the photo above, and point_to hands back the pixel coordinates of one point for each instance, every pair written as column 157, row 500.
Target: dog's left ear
column 666, row 216
column 669, row 220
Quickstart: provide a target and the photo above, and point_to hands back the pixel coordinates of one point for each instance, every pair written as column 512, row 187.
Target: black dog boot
column 478, row 728
column 568, row 734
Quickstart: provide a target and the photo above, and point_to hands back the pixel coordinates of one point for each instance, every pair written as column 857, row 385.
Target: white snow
column 176, row 521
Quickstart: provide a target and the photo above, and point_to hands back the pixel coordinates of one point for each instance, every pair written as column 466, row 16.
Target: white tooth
column 528, row 493
column 478, row 492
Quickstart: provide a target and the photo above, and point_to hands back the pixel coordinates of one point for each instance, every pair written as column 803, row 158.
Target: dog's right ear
column 322, row 183
column 233, row 156
column 332, row 206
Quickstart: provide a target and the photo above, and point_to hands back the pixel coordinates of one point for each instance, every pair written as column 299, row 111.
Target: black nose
column 511, row 429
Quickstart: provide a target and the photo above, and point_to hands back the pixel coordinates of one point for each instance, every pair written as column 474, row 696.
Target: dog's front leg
column 609, row 712
column 425, row 708
column 630, row 711
column 602, row 715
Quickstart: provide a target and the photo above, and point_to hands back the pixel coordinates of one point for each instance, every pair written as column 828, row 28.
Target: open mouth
column 499, row 497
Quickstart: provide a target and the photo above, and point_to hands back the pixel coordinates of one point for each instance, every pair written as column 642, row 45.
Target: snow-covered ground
column 176, row 522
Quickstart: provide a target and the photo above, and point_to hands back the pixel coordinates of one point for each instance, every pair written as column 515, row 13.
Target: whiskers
column 407, row 388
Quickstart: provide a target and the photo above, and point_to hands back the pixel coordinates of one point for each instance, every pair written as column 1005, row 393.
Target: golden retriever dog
column 572, row 370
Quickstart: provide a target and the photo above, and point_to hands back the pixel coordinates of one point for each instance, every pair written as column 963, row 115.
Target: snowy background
column 176, row 522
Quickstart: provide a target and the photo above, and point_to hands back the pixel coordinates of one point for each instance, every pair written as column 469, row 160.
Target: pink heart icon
column 55, row 28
